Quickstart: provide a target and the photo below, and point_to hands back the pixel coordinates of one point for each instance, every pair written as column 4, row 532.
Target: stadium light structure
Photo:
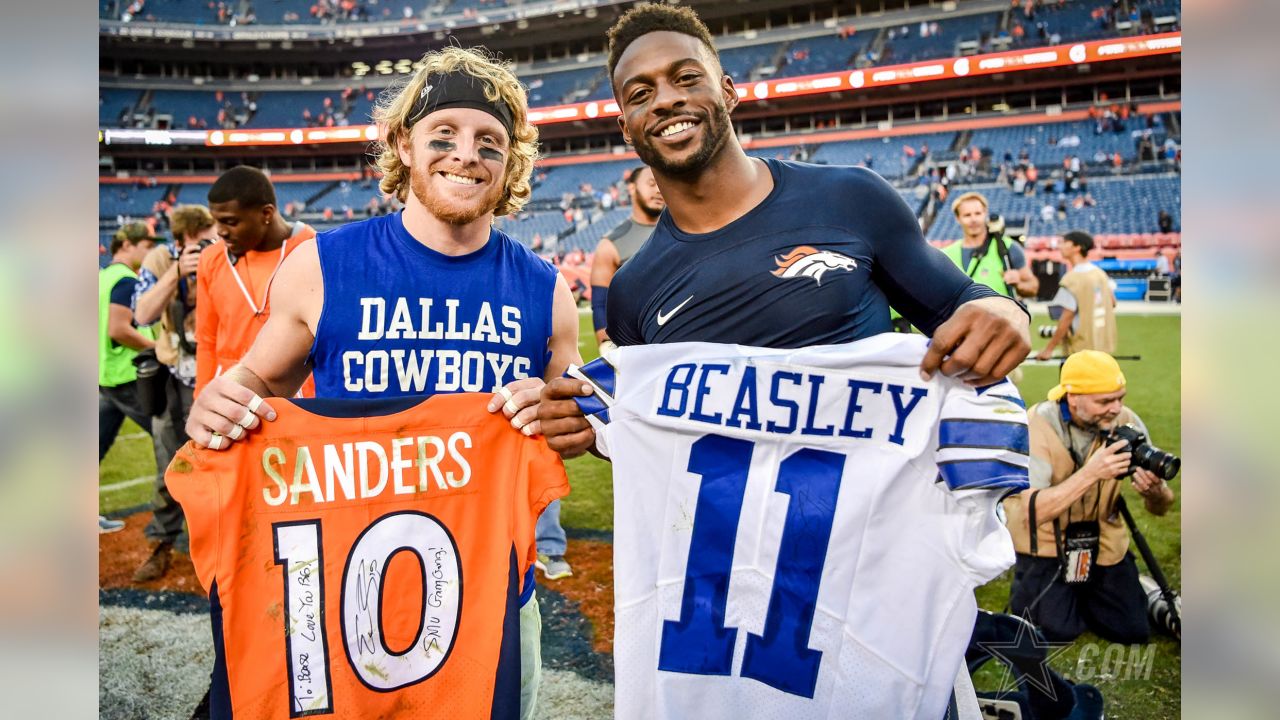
column 1083, row 53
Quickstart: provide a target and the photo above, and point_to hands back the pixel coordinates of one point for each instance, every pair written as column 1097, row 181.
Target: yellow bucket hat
column 1088, row 372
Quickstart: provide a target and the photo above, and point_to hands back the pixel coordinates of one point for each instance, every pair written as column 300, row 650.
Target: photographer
column 1086, row 293
column 165, row 299
column 985, row 254
column 119, row 342
column 1075, row 571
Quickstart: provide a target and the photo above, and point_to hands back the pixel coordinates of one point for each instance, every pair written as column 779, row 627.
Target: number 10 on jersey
column 699, row 642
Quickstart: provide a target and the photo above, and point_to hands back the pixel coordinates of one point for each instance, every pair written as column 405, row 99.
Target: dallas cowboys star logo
column 1010, row 652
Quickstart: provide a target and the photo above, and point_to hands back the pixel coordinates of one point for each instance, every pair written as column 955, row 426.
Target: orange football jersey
column 364, row 557
column 233, row 304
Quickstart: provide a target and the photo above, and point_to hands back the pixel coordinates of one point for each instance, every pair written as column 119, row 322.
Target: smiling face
column 675, row 102
column 457, row 159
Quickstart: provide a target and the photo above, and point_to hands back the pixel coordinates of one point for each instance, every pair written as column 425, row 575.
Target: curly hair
column 396, row 102
column 644, row 19
column 187, row 220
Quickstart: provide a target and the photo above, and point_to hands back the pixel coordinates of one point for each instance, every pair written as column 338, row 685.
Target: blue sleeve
column 122, row 293
column 919, row 281
column 599, row 306
column 1017, row 256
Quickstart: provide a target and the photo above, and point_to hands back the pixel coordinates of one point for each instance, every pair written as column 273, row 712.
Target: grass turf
column 1135, row 684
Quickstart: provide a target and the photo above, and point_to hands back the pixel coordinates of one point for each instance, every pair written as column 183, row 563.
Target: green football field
column 1137, row 682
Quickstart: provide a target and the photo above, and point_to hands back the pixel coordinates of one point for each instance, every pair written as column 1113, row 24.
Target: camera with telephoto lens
column 1143, row 454
column 1165, row 615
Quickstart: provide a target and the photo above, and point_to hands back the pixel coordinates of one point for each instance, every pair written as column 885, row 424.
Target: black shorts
column 1110, row 604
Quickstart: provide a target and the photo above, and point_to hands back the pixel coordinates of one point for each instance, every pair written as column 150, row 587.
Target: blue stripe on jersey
column 591, row 405
column 994, row 434
column 600, row 372
column 985, row 474
column 1013, row 399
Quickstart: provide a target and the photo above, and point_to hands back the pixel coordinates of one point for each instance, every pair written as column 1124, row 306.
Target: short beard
column 649, row 211
column 446, row 213
column 718, row 128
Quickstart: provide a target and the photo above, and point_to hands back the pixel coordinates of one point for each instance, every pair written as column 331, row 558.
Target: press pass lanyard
column 284, row 246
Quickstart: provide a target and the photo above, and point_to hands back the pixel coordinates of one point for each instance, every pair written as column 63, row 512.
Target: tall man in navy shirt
column 766, row 253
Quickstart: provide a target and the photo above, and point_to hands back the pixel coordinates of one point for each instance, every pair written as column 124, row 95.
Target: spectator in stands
column 119, row 341
column 1085, row 304
column 165, row 301
column 1074, row 497
column 1164, row 221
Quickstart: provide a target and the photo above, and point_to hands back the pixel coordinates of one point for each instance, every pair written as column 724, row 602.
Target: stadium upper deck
column 818, row 47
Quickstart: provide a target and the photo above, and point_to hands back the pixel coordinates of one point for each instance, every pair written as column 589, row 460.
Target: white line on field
column 132, row 436
column 126, row 484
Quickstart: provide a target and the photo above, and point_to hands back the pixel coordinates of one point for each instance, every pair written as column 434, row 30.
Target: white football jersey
column 798, row 533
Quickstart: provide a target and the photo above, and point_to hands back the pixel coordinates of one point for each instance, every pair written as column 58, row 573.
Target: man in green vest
column 119, row 341
column 988, row 257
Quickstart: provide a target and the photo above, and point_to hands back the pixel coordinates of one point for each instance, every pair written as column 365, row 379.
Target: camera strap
column 178, row 311
column 1035, row 527
column 284, row 246
column 979, row 253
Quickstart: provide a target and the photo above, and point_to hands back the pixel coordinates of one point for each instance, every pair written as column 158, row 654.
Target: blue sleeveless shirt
column 402, row 319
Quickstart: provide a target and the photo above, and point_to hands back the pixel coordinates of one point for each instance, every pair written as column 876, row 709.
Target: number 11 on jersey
column 700, row 642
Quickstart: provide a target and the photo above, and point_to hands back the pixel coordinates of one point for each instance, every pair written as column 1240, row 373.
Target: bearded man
column 429, row 300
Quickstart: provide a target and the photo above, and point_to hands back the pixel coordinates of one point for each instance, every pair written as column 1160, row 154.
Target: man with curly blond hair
column 432, row 299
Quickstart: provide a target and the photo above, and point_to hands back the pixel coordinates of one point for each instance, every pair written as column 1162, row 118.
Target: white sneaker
column 109, row 526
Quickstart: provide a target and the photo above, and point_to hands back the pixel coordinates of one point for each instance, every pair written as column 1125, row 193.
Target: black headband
column 457, row 89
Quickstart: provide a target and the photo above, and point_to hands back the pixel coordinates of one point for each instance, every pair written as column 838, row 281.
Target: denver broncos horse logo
column 805, row 261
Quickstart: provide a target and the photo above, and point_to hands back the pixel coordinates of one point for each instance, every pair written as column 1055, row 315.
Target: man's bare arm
column 604, row 265
column 275, row 365
column 151, row 304
column 519, row 400
column 120, row 328
column 564, row 330
column 1059, row 334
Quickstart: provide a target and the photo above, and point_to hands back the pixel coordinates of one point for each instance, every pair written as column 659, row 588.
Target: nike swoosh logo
column 662, row 319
